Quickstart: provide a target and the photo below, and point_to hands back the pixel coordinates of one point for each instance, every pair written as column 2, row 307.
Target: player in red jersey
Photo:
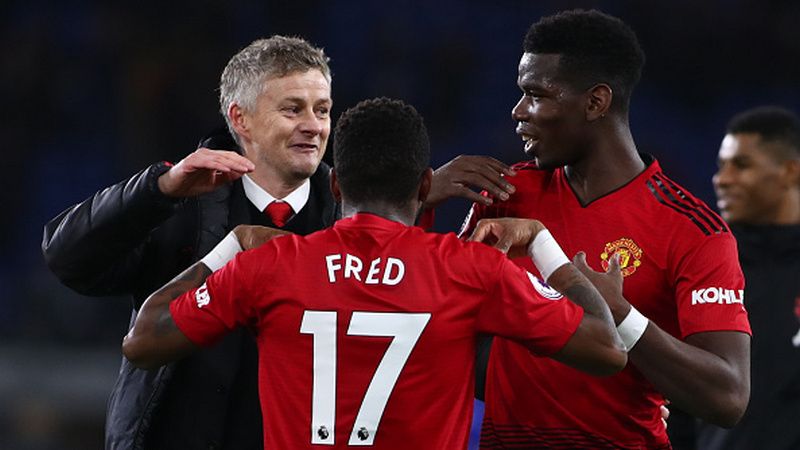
column 366, row 331
column 588, row 184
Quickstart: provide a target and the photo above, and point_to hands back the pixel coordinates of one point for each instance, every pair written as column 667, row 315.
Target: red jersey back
column 366, row 331
column 681, row 270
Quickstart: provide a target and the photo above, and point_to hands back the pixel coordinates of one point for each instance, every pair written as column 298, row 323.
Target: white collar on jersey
column 260, row 198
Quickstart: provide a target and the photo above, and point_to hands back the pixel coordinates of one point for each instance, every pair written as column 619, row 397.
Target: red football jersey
column 681, row 270
column 366, row 331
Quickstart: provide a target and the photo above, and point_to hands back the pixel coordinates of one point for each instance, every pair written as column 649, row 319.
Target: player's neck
column 406, row 215
column 609, row 165
column 789, row 212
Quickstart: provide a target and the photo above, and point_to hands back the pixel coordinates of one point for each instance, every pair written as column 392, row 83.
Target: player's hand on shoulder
column 609, row 283
column 509, row 235
column 203, row 171
column 465, row 174
column 253, row 236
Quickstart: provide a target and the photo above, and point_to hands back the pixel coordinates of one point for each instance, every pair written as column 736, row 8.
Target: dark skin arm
column 154, row 339
column 595, row 347
column 708, row 375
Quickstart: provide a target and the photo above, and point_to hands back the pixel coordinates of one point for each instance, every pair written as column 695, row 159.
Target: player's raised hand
column 509, row 235
column 203, row 171
column 460, row 176
column 253, row 236
column 609, row 283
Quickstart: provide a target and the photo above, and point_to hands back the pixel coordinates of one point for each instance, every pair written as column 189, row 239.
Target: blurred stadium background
column 95, row 91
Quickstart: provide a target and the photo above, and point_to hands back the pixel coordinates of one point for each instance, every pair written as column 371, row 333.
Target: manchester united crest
column 630, row 255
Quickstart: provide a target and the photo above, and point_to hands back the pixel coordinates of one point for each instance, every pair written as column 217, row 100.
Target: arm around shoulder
column 155, row 339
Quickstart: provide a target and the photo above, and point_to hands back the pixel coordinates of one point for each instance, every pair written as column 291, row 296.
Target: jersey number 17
column 404, row 328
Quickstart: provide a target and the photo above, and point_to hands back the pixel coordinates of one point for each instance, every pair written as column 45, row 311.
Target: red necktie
column 278, row 212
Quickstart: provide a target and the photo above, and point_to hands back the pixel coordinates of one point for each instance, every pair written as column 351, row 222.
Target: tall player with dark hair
column 366, row 330
column 683, row 322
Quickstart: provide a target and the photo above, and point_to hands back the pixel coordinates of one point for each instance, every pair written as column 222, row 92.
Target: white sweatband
column 222, row 253
column 632, row 328
column 546, row 254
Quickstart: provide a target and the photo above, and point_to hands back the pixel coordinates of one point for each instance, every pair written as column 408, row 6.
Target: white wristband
column 546, row 254
column 632, row 328
column 222, row 253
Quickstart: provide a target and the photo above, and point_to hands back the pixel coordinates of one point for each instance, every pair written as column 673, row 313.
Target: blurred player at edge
column 758, row 194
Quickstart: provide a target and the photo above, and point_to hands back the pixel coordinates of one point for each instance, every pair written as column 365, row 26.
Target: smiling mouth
column 530, row 142
column 725, row 201
column 304, row 147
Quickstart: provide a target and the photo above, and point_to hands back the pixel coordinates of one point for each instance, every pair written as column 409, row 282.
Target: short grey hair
column 243, row 78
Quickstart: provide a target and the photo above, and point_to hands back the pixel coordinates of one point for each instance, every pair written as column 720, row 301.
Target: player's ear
column 425, row 185
column 239, row 120
column 598, row 101
column 337, row 193
column 791, row 173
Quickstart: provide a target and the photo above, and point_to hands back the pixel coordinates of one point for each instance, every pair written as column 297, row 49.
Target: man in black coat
column 758, row 194
column 134, row 236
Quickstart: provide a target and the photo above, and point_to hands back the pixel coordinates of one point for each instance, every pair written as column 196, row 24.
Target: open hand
column 509, row 235
column 203, row 171
column 460, row 176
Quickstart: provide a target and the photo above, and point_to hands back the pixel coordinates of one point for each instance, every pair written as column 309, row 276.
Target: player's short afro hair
column 594, row 48
column 773, row 123
column 380, row 151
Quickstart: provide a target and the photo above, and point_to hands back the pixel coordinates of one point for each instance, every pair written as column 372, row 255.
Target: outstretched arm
column 155, row 339
column 595, row 347
column 596, row 343
column 96, row 246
